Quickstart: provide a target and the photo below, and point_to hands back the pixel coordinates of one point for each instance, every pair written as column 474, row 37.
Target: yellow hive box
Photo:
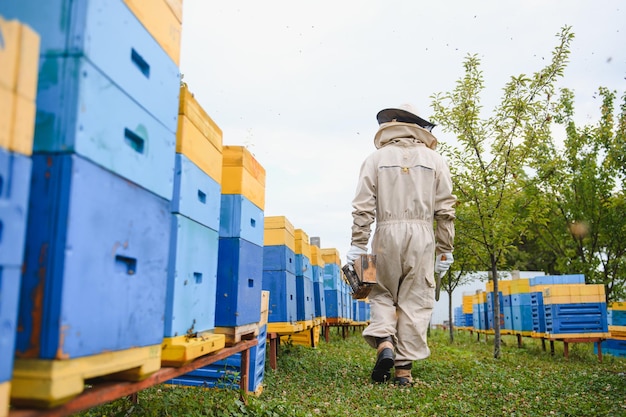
column 303, row 247
column 316, row 256
column 177, row 8
column 197, row 136
column 618, row 305
column 573, row 299
column 242, row 174
column 5, row 391
column 520, row 286
column 159, row 18
column 574, row 290
column 475, row 300
column 19, row 55
column 17, row 122
column 331, row 256
column 19, row 58
column 618, row 332
column 190, row 107
column 482, row 297
column 504, row 286
column 278, row 230
column 468, row 306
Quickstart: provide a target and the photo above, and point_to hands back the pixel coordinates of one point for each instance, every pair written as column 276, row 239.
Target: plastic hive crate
column 537, row 312
column 305, row 298
column 332, row 276
column 279, row 258
column 15, row 177
column 576, row 318
column 364, row 310
column 163, row 23
column 191, row 278
column 334, row 303
column 242, row 174
column 198, row 137
column 557, row 279
column 19, row 54
column 239, row 282
column 196, row 195
column 522, row 318
column 240, row 218
column 72, row 96
column 10, row 278
column 319, row 298
column 116, row 241
column 618, row 317
column 331, row 256
column 467, row 303
column 281, row 284
column 113, row 40
column 279, row 232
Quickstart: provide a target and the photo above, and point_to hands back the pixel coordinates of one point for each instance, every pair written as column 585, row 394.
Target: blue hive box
column 334, row 303
column 617, row 317
column 613, row 347
column 576, row 318
column 538, row 312
column 508, row 313
column 356, row 313
column 192, row 278
column 239, row 282
column 305, row 299
column 109, row 35
column 347, row 303
column 491, row 308
column 304, row 267
column 240, row 218
column 283, row 307
column 279, row 258
column 96, row 262
column 522, row 318
column 364, row 310
column 332, row 276
column 15, row 173
column 80, row 110
column 557, row 279
column 9, row 297
column 320, row 299
column 196, row 194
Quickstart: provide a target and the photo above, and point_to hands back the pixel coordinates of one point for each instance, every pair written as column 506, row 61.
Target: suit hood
column 388, row 132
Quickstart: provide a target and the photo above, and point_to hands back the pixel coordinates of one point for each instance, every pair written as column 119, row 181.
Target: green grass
column 459, row 379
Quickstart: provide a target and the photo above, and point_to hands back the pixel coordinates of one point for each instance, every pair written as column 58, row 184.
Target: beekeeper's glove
column 443, row 262
column 354, row 253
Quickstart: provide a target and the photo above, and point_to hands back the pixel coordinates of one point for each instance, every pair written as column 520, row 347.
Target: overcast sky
column 300, row 82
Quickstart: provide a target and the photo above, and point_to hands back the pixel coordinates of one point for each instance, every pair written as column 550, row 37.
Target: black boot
column 384, row 360
column 403, row 375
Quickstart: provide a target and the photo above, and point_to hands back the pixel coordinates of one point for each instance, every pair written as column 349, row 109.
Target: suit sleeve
column 364, row 204
column 445, row 213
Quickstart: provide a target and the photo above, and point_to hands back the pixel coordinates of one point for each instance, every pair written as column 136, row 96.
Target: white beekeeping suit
column 405, row 186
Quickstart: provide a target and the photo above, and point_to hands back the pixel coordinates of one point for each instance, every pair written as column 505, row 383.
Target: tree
column 583, row 182
column 464, row 269
column 488, row 166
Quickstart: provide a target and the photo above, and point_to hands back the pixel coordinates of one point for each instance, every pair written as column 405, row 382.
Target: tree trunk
column 450, row 317
column 496, row 309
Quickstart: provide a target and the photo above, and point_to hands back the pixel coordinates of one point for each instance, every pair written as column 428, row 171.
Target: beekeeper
column 404, row 186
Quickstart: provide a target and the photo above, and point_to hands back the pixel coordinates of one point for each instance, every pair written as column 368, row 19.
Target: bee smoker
column 361, row 275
